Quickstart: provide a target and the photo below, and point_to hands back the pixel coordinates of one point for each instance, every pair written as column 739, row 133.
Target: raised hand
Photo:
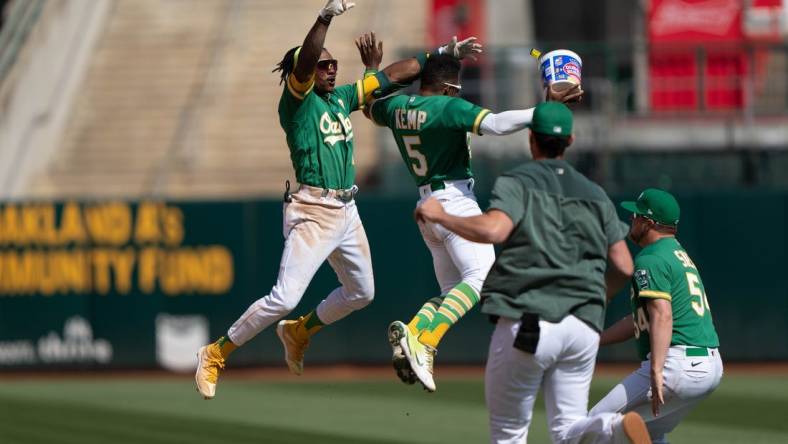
column 335, row 7
column 370, row 49
column 460, row 50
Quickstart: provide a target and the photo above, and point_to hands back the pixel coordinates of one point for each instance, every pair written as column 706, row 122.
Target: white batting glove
column 335, row 7
column 460, row 50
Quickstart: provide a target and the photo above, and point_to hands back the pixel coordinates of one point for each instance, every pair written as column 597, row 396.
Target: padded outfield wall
column 142, row 285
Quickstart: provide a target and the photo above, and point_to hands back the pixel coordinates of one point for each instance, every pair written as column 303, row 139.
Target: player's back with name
column 409, row 119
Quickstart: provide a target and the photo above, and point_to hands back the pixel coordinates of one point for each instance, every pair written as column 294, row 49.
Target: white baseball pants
column 316, row 228
column 562, row 366
column 455, row 258
column 687, row 381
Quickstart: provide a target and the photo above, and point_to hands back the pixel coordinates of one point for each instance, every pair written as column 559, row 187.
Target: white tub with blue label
column 561, row 68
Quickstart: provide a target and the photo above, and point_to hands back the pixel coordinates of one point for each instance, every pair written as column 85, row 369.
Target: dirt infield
column 355, row 372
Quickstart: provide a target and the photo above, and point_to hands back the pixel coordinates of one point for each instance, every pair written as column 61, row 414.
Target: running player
column 431, row 130
column 321, row 220
column 670, row 320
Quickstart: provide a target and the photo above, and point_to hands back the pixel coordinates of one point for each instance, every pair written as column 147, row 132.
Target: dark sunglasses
column 327, row 64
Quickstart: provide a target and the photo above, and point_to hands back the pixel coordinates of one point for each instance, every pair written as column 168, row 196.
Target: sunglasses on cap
column 327, row 64
column 452, row 85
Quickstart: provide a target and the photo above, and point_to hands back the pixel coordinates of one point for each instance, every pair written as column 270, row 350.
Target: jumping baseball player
column 672, row 322
column 320, row 218
column 431, row 130
column 546, row 291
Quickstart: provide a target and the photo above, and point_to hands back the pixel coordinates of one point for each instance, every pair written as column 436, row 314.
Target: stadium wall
column 142, row 285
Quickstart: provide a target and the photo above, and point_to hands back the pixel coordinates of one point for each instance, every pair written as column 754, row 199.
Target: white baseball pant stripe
column 562, row 366
column 315, row 229
column 687, row 380
column 455, row 258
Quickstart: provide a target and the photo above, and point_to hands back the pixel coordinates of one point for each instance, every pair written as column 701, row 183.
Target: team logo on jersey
column 641, row 279
column 336, row 130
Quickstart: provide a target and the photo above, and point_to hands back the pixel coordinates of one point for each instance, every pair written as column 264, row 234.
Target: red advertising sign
column 696, row 57
column 694, row 20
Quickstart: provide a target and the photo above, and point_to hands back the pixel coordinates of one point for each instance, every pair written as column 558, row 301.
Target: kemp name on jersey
column 431, row 134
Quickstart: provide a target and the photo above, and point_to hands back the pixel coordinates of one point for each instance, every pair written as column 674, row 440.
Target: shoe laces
column 213, row 366
column 301, row 341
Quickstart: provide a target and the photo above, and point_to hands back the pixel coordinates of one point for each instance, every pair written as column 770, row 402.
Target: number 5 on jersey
column 418, row 163
column 694, row 288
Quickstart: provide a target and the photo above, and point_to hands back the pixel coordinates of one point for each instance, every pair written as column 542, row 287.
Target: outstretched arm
column 507, row 122
column 619, row 332
column 313, row 43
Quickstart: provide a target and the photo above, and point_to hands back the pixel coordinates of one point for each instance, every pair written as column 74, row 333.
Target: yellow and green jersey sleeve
column 652, row 278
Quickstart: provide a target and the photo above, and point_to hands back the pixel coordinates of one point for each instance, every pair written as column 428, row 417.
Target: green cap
column 657, row 205
column 552, row 119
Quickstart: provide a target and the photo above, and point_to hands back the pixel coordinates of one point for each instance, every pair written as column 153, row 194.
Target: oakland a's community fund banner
column 94, row 285
column 106, row 247
column 103, row 283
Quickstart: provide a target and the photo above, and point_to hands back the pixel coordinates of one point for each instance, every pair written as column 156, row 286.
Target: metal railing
column 679, row 81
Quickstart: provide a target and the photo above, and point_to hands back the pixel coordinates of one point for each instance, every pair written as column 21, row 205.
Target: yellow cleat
column 209, row 364
column 295, row 339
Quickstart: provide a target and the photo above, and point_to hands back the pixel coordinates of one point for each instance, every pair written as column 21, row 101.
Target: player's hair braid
column 287, row 64
column 439, row 68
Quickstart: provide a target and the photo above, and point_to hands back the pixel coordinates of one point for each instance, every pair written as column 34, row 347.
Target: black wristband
column 324, row 20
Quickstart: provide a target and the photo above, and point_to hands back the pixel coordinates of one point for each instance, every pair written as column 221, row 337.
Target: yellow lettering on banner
column 46, row 273
column 45, row 276
column 147, row 270
column 173, row 226
column 220, row 265
column 47, row 227
column 72, row 228
column 146, row 228
column 16, row 272
column 29, row 229
column 101, row 280
column 9, row 223
column 74, row 269
column 196, row 270
column 170, row 266
column 122, row 263
column 109, row 224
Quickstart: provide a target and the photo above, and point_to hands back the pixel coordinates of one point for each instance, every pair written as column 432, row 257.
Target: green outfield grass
column 745, row 409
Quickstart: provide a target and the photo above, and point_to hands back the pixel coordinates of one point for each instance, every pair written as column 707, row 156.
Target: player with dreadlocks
column 321, row 220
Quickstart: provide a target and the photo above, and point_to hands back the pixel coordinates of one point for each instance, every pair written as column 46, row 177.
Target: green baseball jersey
column 319, row 132
column 554, row 262
column 431, row 133
column 663, row 270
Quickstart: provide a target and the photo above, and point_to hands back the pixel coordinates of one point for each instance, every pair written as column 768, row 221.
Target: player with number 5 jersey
column 672, row 321
column 432, row 132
